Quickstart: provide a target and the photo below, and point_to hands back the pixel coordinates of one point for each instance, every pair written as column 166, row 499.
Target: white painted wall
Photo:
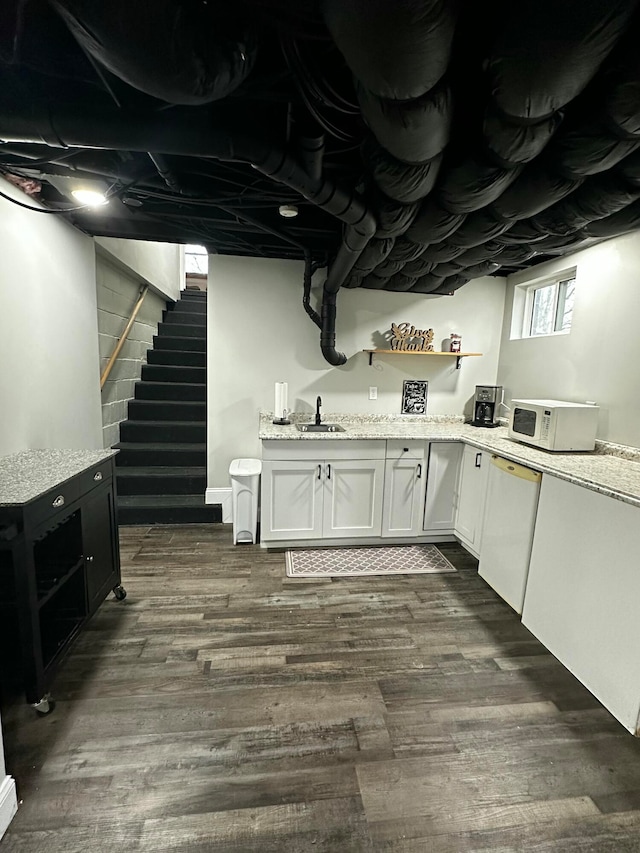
column 49, row 363
column 160, row 265
column 599, row 360
column 117, row 291
column 259, row 334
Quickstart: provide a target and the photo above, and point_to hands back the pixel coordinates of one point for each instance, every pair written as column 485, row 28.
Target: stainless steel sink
column 319, row 428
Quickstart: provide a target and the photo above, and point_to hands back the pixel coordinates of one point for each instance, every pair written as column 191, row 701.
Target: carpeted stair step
column 161, row 466
column 167, row 410
column 181, row 330
column 167, row 509
column 190, row 308
column 180, row 343
column 171, row 391
column 180, row 431
column 172, row 373
column 142, row 454
column 158, row 480
column 176, row 358
column 187, row 318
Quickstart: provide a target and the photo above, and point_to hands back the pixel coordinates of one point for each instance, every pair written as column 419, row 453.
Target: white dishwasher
column 509, row 519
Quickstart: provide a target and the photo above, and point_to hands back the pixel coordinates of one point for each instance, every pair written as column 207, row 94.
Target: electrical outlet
column 373, row 392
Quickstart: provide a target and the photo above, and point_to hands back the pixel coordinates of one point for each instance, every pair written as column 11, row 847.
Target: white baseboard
column 8, row 803
column 426, row 539
column 221, row 496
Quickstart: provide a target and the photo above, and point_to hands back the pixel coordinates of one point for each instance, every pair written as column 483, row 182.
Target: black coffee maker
column 485, row 405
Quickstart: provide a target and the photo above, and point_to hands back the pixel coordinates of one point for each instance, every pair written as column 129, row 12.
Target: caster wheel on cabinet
column 44, row 707
column 120, row 593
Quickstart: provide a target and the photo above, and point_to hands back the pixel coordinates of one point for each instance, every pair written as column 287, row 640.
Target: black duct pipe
column 185, row 135
column 113, row 130
column 306, row 298
column 312, row 154
column 165, row 172
column 181, row 53
column 353, row 244
column 328, row 332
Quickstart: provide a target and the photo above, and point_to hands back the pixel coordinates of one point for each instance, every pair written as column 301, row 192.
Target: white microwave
column 554, row 424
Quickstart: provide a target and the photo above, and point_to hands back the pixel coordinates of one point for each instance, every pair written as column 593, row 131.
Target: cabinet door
column 583, row 588
column 442, row 482
column 471, row 496
column 403, row 497
column 99, row 546
column 291, row 500
column 353, row 498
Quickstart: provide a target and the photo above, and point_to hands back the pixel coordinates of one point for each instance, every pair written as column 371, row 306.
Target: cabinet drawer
column 52, row 502
column 320, row 449
column 399, row 449
column 95, row 476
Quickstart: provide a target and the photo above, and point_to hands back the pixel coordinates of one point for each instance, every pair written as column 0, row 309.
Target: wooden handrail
column 123, row 336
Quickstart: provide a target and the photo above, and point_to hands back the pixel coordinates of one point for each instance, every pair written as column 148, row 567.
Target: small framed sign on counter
column 414, row 397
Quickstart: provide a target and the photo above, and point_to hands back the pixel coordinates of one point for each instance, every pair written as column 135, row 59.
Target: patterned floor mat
column 376, row 560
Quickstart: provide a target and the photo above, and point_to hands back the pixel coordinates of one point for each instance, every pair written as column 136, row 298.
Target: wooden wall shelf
column 457, row 355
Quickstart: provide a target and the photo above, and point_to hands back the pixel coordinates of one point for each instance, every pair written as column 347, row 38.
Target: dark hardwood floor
column 222, row 707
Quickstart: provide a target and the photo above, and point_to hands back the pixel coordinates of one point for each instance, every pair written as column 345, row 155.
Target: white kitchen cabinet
column 309, row 497
column 404, row 489
column 352, row 503
column 442, row 485
column 583, row 589
column 291, row 500
column 471, row 497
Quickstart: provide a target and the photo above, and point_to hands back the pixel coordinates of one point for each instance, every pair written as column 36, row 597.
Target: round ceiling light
column 90, row 197
column 288, row 210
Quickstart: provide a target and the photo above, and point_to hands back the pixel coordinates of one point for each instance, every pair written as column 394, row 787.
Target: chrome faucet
column 318, row 404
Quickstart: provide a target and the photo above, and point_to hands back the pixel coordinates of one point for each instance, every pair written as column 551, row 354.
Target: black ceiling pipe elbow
column 328, row 332
column 354, row 242
column 306, row 297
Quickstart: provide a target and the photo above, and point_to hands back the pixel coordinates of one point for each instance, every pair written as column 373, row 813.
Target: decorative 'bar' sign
column 406, row 338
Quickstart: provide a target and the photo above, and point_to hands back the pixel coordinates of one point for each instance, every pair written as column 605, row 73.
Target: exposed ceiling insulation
column 423, row 143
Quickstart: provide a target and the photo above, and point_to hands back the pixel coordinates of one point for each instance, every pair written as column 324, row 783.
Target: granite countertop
column 30, row 473
column 611, row 470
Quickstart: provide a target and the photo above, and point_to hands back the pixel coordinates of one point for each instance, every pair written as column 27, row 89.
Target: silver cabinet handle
column 478, row 460
column 419, row 470
column 59, row 501
column 97, row 476
column 329, row 471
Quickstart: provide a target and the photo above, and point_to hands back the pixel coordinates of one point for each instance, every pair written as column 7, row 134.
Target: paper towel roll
column 280, row 407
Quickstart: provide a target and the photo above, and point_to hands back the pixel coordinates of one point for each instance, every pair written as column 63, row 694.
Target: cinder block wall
column 117, row 293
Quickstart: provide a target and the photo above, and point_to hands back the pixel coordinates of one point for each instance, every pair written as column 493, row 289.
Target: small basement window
column 544, row 307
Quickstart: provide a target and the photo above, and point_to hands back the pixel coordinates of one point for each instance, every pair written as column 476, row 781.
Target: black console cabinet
column 59, row 558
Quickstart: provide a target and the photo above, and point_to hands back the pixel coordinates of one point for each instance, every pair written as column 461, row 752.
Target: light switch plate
column 373, row 392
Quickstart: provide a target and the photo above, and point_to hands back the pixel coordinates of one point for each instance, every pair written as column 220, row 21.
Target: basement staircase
column 161, row 469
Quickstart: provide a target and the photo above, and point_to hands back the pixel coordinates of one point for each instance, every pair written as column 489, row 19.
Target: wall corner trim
column 8, row 803
column 221, row 496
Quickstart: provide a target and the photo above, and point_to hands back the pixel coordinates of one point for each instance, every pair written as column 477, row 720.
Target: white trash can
column 245, row 490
